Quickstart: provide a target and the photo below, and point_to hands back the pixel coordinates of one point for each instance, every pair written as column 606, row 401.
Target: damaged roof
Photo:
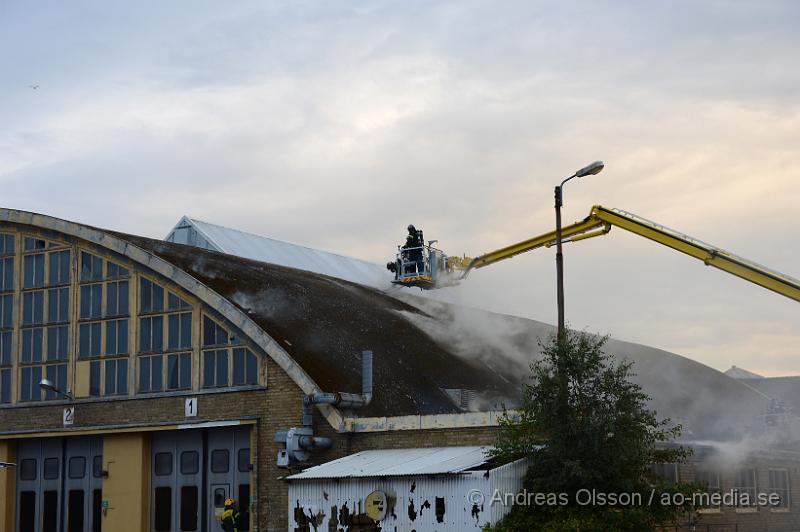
column 424, row 348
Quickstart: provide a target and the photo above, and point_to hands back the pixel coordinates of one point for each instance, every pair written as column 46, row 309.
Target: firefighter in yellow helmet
column 230, row 517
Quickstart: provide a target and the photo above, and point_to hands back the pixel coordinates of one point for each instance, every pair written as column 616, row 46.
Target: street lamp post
column 48, row 386
column 592, row 169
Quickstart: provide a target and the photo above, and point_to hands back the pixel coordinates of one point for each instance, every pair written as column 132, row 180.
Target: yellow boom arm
column 599, row 222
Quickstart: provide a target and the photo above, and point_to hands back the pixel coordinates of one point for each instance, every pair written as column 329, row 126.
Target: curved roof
column 314, row 327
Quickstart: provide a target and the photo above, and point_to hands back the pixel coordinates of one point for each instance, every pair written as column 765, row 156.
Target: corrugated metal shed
column 399, row 462
column 422, row 495
column 206, row 235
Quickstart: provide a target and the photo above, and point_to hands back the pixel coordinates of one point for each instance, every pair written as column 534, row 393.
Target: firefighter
column 230, row 517
column 413, row 245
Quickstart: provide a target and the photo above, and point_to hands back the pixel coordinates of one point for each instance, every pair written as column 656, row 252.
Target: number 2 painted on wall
column 69, row 415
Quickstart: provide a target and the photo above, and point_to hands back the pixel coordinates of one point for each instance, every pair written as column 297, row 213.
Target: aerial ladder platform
column 429, row 268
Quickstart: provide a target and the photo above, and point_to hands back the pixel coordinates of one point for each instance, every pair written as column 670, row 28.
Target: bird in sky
column 34, row 87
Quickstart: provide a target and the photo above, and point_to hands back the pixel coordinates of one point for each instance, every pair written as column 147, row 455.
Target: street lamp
column 592, row 169
column 48, row 386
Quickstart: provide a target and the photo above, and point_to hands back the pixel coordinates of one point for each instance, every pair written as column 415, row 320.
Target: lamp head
column 591, row 169
column 47, row 385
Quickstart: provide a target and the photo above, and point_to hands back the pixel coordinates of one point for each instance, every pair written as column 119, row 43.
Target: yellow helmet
column 229, row 502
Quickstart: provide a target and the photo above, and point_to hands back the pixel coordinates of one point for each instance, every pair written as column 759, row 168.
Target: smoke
column 706, row 403
column 505, row 344
column 730, row 455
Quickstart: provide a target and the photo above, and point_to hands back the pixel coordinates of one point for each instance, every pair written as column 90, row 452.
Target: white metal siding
column 319, row 499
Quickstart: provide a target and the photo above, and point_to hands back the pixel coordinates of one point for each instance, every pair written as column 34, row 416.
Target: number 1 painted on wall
column 191, row 407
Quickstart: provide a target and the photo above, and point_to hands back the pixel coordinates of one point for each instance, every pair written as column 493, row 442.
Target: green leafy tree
column 585, row 426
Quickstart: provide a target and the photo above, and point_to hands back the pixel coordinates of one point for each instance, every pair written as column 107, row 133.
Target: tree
column 586, row 429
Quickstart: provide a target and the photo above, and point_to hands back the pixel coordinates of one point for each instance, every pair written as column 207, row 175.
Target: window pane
column 122, row 297
column 94, row 378
column 189, row 508
column 252, row 368
column 238, row 366
column 208, row 368
column 33, row 271
column 144, row 374
column 91, row 267
column 75, row 511
column 51, row 468
column 174, row 331
column 57, row 375
column 86, row 301
column 50, row 511
column 158, row 298
column 84, row 340
column 111, row 299
column 5, row 386
column 157, row 369
column 97, row 466
column 163, row 509
column 77, row 467
column 27, row 345
column 7, row 274
column 122, row 377
column 222, row 368
column 190, row 463
column 27, row 469
column 60, row 349
column 122, row 337
column 6, row 316
column 63, row 274
column 145, row 335
column 33, row 308
column 158, row 333
column 111, row 377
column 145, row 296
column 5, row 347
column 244, row 507
column 111, row 337
column 186, row 370
column 25, row 384
column 29, row 387
column 172, row 372
column 186, row 330
column 38, row 340
column 27, row 511
column 163, row 464
column 97, row 507
column 219, row 461
column 243, row 460
column 95, row 348
column 208, row 331
column 97, row 300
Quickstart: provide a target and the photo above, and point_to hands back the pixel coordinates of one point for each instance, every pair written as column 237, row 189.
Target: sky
column 336, row 124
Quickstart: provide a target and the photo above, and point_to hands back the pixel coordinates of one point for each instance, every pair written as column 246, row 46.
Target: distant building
column 206, row 235
column 741, row 373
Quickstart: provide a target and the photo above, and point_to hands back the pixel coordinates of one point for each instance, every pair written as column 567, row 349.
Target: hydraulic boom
column 598, row 223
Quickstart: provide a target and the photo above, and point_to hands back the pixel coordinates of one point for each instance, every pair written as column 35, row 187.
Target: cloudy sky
column 335, row 124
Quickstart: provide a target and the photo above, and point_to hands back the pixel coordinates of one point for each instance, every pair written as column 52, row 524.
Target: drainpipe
column 342, row 399
column 300, row 441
